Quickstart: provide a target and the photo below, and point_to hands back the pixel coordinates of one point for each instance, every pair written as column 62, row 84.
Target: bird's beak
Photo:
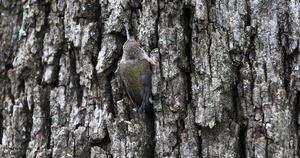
column 127, row 33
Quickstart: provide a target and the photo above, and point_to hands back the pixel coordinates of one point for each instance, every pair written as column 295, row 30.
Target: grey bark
column 227, row 83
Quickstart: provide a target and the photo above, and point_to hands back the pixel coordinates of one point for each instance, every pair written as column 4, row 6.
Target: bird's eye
column 131, row 58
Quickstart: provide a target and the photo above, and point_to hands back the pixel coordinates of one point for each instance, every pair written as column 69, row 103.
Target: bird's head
column 133, row 52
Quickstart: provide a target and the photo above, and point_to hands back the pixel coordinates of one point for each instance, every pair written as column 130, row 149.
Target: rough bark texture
column 227, row 83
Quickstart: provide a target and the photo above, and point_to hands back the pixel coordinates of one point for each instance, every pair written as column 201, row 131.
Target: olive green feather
column 131, row 75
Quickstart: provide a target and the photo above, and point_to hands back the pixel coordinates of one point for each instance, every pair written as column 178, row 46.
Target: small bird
column 135, row 73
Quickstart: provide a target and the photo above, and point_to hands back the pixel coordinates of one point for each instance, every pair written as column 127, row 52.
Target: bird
column 135, row 73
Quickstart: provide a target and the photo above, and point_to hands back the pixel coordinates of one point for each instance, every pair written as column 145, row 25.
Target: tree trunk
column 226, row 84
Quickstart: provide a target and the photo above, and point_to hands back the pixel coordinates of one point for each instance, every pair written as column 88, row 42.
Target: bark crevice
column 242, row 141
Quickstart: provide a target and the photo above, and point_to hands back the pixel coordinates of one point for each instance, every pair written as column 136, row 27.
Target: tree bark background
column 227, row 82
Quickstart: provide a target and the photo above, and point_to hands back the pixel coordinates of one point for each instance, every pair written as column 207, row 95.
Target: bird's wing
column 129, row 95
column 146, row 91
column 130, row 78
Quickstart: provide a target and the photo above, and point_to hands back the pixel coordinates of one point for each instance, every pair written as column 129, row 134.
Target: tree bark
column 226, row 84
